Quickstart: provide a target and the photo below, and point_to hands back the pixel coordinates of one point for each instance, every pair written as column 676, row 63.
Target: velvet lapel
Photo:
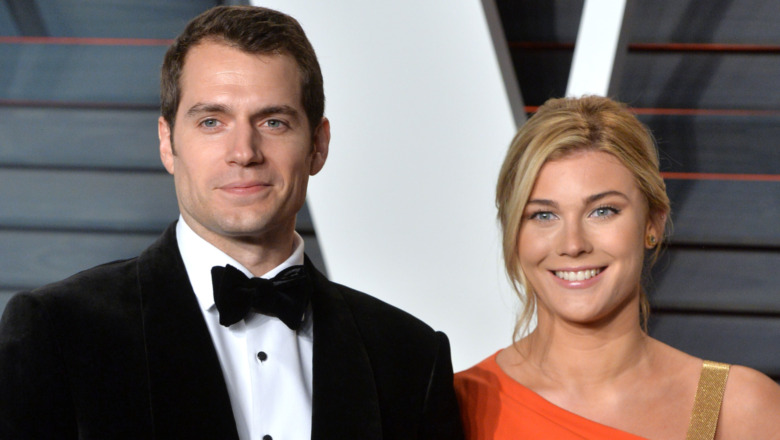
column 345, row 403
column 188, row 395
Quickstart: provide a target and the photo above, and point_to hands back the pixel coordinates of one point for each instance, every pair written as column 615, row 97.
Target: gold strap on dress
column 706, row 406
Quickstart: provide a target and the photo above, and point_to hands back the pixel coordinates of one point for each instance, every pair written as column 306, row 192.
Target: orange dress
column 495, row 406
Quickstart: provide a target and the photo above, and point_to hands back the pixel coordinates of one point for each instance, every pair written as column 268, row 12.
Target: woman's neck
column 572, row 355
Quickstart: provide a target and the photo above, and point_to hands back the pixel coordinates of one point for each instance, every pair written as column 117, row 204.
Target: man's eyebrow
column 201, row 107
column 599, row 196
column 286, row 110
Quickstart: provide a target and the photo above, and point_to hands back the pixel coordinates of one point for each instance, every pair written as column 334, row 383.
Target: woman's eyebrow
column 544, row 202
column 599, row 196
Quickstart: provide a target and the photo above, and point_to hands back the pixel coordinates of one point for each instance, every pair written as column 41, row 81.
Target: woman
column 584, row 210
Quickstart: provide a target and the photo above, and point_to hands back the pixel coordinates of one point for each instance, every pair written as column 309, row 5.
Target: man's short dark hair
column 253, row 30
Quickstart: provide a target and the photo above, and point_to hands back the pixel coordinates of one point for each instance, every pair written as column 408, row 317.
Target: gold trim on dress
column 706, row 406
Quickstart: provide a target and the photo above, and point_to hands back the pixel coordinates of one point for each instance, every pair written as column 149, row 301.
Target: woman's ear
column 654, row 231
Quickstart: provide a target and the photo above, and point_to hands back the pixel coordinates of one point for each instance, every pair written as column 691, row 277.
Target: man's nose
column 245, row 146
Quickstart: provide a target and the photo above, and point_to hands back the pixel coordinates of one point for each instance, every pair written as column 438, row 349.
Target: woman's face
column 582, row 239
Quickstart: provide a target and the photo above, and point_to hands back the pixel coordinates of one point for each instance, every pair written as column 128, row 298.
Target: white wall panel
column 420, row 120
column 599, row 49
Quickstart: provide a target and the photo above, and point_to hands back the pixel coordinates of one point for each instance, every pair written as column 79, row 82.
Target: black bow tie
column 284, row 296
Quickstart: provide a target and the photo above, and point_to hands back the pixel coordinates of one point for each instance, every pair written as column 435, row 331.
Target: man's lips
column 244, row 187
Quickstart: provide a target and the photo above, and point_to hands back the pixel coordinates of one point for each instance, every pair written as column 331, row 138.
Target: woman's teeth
column 579, row 275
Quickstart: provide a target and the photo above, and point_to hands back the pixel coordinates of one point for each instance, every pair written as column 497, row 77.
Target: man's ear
column 321, row 143
column 166, row 143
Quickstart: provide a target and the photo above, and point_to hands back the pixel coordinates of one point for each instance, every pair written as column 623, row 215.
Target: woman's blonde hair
column 561, row 127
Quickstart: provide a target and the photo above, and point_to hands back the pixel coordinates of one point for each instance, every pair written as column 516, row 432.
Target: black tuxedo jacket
column 122, row 351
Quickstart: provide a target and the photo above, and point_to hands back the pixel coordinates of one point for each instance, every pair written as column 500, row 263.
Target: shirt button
column 267, row 437
column 261, row 356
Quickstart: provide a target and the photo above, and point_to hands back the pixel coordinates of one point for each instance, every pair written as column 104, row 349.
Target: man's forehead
column 219, row 46
column 206, row 58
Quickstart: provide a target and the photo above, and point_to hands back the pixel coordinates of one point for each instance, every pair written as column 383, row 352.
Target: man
column 138, row 348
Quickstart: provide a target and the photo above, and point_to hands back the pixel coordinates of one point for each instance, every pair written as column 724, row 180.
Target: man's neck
column 258, row 254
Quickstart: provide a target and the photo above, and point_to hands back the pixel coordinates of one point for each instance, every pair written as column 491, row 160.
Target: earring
column 650, row 241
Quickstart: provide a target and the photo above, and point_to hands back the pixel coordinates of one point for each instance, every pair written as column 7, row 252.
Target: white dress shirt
column 267, row 366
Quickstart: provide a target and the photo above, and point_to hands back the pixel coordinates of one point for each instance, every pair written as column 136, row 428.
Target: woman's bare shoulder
column 751, row 406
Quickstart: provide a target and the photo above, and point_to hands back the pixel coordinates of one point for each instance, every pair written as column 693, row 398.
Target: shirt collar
column 200, row 256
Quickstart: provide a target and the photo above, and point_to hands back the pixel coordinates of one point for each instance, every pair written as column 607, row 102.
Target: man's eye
column 210, row 123
column 275, row 123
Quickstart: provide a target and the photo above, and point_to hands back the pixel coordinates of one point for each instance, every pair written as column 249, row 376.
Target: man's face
column 242, row 151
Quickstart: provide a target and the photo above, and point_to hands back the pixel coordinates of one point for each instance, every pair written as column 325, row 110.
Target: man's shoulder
column 110, row 274
column 408, row 359
column 376, row 317
column 92, row 288
column 103, row 298
column 109, row 277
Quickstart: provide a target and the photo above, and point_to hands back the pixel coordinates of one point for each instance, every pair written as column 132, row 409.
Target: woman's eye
column 543, row 216
column 604, row 211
